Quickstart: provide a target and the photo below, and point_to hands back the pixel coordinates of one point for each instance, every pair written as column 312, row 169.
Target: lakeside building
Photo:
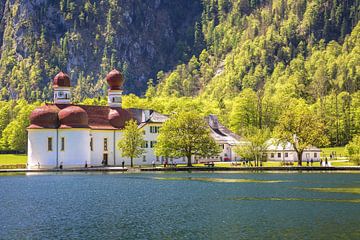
column 71, row 135
column 285, row 152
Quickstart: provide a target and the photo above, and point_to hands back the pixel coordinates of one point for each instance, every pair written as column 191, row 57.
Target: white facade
column 286, row 153
column 115, row 98
column 62, row 95
column 73, row 147
column 39, row 156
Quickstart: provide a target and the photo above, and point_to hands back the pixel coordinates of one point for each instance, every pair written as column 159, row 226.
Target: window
column 49, row 144
column 157, row 158
column 152, row 144
column 116, row 99
column 279, row 155
column 91, row 144
column 286, row 155
column 315, row 155
column 144, row 158
column 154, row 129
column 145, row 144
column 105, row 144
column 272, row 155
column 62, row 144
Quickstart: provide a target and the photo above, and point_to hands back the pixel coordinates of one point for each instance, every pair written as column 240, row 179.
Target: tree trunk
column 189, row 160
column 299, row 158
column 131, row 162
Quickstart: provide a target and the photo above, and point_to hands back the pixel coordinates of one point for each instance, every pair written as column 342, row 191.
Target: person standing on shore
column 123, row 164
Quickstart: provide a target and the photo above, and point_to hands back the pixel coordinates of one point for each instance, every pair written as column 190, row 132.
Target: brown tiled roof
column 73, row 117
column 99, row 117
column 115, row 80
column 44, row 117
column 61, row 80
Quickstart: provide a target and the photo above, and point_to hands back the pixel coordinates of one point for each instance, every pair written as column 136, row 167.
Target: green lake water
column 180, row 206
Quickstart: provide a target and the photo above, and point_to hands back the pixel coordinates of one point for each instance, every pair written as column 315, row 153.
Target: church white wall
column 77, row 151
column 38, row 154
column 97, row 154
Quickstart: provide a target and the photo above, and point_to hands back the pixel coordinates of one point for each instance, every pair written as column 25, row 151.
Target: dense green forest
column 263, row 55
column 247, row 61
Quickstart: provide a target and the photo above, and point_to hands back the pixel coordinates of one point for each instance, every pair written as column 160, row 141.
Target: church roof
column 98, row 117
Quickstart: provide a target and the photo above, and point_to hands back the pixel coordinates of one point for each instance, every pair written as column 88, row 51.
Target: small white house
column 280, row 151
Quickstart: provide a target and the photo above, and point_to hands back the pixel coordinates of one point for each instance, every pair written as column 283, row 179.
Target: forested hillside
column 260, row 55
column 87, row 39
column 247, row 61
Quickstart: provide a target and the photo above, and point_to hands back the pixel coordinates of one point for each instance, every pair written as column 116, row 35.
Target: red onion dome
column 44, row 117
column 73, row 117
column 115, row 80
column 61, row 80
column 118, row 117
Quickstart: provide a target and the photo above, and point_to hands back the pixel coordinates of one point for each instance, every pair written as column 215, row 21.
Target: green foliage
column 256, row 145
column 131, row 141
column 353, row 149
column 185, row 134
column 14, row 118
column 244, row 113
column 299, row 126
column 281, row 50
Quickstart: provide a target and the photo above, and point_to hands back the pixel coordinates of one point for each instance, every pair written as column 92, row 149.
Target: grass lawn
column 342, row 164
column 339, row 151
column 11, row 159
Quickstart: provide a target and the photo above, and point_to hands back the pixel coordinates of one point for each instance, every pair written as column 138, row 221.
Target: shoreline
column 182, row 169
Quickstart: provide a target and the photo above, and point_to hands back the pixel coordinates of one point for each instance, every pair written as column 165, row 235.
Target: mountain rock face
column 87, row 38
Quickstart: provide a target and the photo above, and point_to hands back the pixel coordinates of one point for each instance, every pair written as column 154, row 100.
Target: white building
column 285, row 152
column 68, row 135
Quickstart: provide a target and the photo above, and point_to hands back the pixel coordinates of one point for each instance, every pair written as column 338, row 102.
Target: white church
column 72, row 136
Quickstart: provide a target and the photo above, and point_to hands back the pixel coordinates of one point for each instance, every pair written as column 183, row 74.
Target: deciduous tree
column 131, row 142
column 301, row 127
column 256, row 145
column 185, row 134
column 353, row 149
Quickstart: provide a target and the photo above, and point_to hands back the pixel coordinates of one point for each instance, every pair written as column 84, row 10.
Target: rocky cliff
column 87, row 38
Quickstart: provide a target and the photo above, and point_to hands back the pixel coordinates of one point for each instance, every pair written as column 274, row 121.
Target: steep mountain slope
column 263, row 54
column 87, row 38
column 247, row 40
